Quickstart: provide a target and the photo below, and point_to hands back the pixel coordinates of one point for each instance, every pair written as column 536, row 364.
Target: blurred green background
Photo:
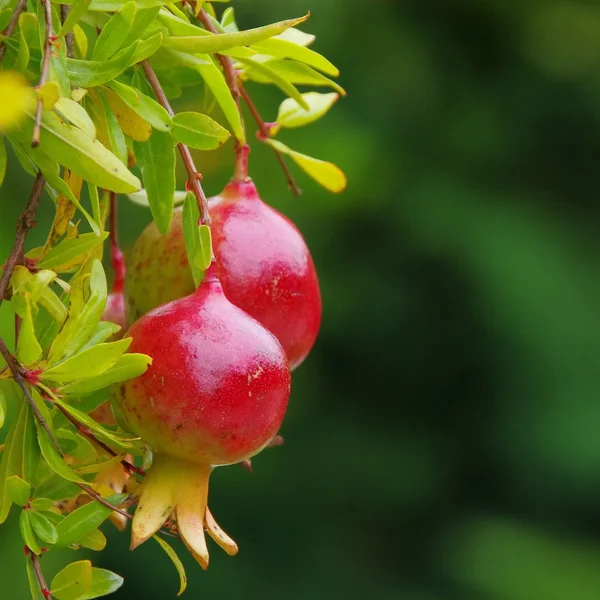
column 442, row 441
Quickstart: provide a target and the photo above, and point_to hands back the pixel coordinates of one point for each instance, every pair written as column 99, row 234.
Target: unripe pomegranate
column 263, row 264
column 215, row 394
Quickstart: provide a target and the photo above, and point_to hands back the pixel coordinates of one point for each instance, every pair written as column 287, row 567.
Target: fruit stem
column 241, row 163
column 116, row 256
column 194, row 177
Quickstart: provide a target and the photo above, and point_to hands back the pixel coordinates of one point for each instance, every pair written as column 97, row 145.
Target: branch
column 116, row 256
column 12, row 24
column 48, row 35
column 17, row 372
column 38, row 573
column 231, row 77
column 194, row 177
column 264, row 133
column 25, row 222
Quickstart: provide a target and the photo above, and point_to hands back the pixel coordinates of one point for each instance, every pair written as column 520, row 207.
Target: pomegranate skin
column 217, row 390
column 263, row 264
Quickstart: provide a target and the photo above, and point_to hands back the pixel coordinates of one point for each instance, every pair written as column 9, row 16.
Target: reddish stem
column 39, row 575
column 264, row 134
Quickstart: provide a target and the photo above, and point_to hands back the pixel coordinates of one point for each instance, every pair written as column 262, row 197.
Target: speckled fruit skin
column 218, row 387
column 263, row 264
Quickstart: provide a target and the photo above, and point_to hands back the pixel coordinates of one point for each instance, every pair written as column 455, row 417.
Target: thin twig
column 38, row 573
column 194, row 177
column 17, row 372
column 117, row 259
column 48, row 35
column 232, row 79
column 24, row 224
column 264, row 133
column 65, row 9
column 12, row 24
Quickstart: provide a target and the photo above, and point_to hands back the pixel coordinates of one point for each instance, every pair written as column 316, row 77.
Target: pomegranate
column 263, row 264
column 215, row 394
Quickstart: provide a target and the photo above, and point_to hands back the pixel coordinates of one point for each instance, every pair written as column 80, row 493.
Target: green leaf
column 89, row 363
column 144, row 17
column 51, row 302
column 147, row 108
column 296, row 73
column 197, row 239
column 77, row 9
column 88, row 73
column 28, row 347
column 43, row 527
column 276, row 78
column 42, row 504
column 23, row 55
column 84, row 520
column 82, row 321
column 291, row 114
column 10, row 462
column 48, row 93
column 325, row 173
column 18, row 490
column 77, row 446
column 103, row 331
column 297, row 37
column 103, row 434
column 70, row 249
column 104, row 582
column 51, row 455
column 74, row 113
column 211, row 43
column 146, row 48
column 198, row 131
column 2, row 160
column 175, row 559
column 141, row 197
column 73, row 582
column 81, row 42
column 76, row 150
column 29, row 537
column 31, row 451
column 56, row 488
column 114, row 33
column 215, row 81
column 95, row 202
column 127, row 367
column 284, row 49
column 113, row 128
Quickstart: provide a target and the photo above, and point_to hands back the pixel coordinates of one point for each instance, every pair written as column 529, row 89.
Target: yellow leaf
column 324, row 173
column 49, row 93
column 13, row 91
column 131, row 123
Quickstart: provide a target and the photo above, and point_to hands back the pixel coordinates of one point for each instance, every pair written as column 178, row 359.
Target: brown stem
column 35, row 142
column 194, row 177
column 231, row 77
column 25, row 222
column 12, row 24
column 35, row 559
column 65, row 9
column 17, row 372
column 116, row 256
column 264, row 132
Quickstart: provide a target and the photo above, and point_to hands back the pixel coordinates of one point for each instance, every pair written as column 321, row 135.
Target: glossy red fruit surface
column 217, row 390
column 263, row 263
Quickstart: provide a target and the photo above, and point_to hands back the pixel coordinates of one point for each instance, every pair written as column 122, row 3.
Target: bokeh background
column 442, row 441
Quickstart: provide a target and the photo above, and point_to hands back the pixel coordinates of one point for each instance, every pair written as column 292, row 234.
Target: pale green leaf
column 211, row 43
column 297, row 37
column 95, row 540
column 48, row 93
column 68, row 250
column 127, row 367
column 275, row 77
column 73, row 581
column 43, row 527
column 88, row 73
column 81, row 43
column 285, row 49
column 74, row 113
column 104, row 582
column 198, row 131
column 291, row 114
column 141, row 197
column 18, row 490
